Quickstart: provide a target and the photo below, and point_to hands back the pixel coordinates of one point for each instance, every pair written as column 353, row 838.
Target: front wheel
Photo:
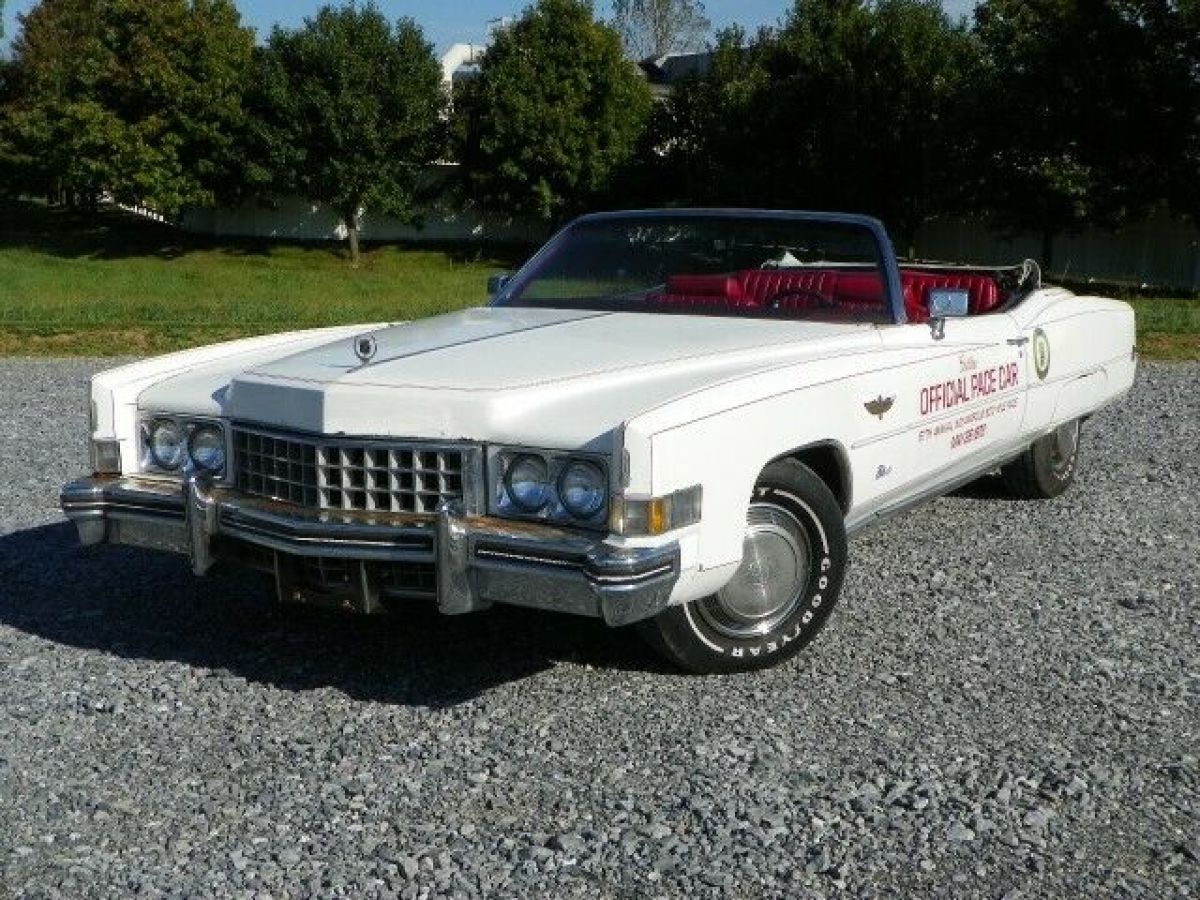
column 793, row 562
column 1047, row 467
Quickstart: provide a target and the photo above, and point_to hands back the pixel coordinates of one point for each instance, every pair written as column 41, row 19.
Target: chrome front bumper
column 478, row 560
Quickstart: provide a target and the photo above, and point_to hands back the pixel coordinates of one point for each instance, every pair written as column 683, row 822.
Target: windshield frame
column 886, row 254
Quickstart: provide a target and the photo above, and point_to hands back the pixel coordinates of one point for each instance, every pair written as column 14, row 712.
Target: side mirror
column 497, row 283
column 946, row 303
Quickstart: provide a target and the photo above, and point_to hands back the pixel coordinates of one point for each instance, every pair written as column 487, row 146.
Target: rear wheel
column 793, row 562
column 1047, row 467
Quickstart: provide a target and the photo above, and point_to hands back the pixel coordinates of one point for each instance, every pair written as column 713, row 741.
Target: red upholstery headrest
column 726, row 286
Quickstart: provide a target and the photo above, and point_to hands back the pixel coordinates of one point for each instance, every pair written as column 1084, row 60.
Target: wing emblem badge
column 880, row 406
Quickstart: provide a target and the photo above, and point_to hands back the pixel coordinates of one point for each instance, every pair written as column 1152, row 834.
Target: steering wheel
column 816, row 298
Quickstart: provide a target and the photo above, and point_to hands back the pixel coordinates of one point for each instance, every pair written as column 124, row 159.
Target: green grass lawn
column 1168, row 327
column 118, row 285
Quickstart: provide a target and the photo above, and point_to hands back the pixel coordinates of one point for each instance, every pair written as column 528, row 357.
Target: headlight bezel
column 188, row 426
column 501, row 503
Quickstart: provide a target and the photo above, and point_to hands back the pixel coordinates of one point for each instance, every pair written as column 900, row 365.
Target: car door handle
column 1018, row 342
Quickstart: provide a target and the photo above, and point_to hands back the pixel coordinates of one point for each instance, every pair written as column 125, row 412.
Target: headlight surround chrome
column 533, row 484
column 179, row 445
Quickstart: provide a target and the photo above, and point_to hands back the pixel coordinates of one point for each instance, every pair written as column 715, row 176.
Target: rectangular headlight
column 658, row 515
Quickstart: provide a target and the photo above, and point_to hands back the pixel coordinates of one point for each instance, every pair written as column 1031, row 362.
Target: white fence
column 292, row 218
column 1160, row 252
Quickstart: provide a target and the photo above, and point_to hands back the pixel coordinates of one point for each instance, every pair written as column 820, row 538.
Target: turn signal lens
column 106, row 457
column 658, row 515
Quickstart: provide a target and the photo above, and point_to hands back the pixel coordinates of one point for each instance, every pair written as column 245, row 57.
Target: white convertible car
column 673, row 418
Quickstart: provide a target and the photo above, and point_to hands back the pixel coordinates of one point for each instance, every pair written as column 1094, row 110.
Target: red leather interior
column 856, row 292
column 983, row 290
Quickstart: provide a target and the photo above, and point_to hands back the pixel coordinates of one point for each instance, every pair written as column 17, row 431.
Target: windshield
column 711, row 265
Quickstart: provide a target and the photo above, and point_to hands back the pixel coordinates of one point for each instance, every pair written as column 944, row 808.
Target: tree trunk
column 1047, row 250
column 350, row 217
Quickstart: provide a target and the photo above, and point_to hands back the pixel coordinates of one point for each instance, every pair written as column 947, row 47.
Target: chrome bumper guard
column 479, row 561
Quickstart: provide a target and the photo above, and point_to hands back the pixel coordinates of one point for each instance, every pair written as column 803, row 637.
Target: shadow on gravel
column 144, row 605
column 989, row 487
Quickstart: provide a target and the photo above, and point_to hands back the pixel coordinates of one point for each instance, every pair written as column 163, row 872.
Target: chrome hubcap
column 1066, row 442
column 771, row 581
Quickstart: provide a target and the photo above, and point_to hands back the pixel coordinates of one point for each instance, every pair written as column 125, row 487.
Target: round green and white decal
column 1041, row 354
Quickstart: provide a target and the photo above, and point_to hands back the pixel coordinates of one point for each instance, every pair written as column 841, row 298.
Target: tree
column 653, row 28
column 1175, row 34
column 1086, row 112
column 353, row 113
column 554, row 115
column 849, row 106
column 141, row 98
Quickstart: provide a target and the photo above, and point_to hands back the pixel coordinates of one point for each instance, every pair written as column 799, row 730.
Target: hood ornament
column 365, row 348
column 879, row 406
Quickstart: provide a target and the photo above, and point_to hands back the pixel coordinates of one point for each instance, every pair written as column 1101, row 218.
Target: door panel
column 959, row 401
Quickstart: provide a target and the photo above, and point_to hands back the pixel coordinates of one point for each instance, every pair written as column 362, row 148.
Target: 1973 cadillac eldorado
column 670, row 418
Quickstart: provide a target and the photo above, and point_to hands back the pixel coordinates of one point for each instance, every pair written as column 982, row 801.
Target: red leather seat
column 858, row 292
column 777, row 284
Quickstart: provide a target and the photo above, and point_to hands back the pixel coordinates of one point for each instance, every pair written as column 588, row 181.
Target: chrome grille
column 350, row 474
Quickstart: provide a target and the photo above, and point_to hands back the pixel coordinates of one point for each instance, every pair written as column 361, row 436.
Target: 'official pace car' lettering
column 978, row 384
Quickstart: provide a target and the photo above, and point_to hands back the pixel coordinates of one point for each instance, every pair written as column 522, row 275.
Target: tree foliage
column 142, row 98
column 652, row 28
column 850, row 105
column 554, row 116
column 351, row 110
column 1084, row 109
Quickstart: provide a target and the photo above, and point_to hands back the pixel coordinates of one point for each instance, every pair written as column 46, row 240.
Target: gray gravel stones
column 1005, row 704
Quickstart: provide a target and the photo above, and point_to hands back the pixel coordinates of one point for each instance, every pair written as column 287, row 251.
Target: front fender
column 723, row 440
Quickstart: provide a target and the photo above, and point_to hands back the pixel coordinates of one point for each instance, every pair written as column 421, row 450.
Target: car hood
column 533, row 376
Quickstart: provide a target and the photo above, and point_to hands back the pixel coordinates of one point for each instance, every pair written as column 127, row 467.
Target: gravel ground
column 1005, row 704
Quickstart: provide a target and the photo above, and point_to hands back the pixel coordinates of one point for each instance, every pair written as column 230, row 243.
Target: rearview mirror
column 948, row 303
column 497, row 283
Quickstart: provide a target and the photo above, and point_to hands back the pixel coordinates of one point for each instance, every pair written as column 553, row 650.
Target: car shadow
column 988, row 487
column 139, row 604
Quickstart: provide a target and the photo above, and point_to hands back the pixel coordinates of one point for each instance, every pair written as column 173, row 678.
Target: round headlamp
column 207, row 449
column 527, row 483
column 168, row 444
column 582, row 489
